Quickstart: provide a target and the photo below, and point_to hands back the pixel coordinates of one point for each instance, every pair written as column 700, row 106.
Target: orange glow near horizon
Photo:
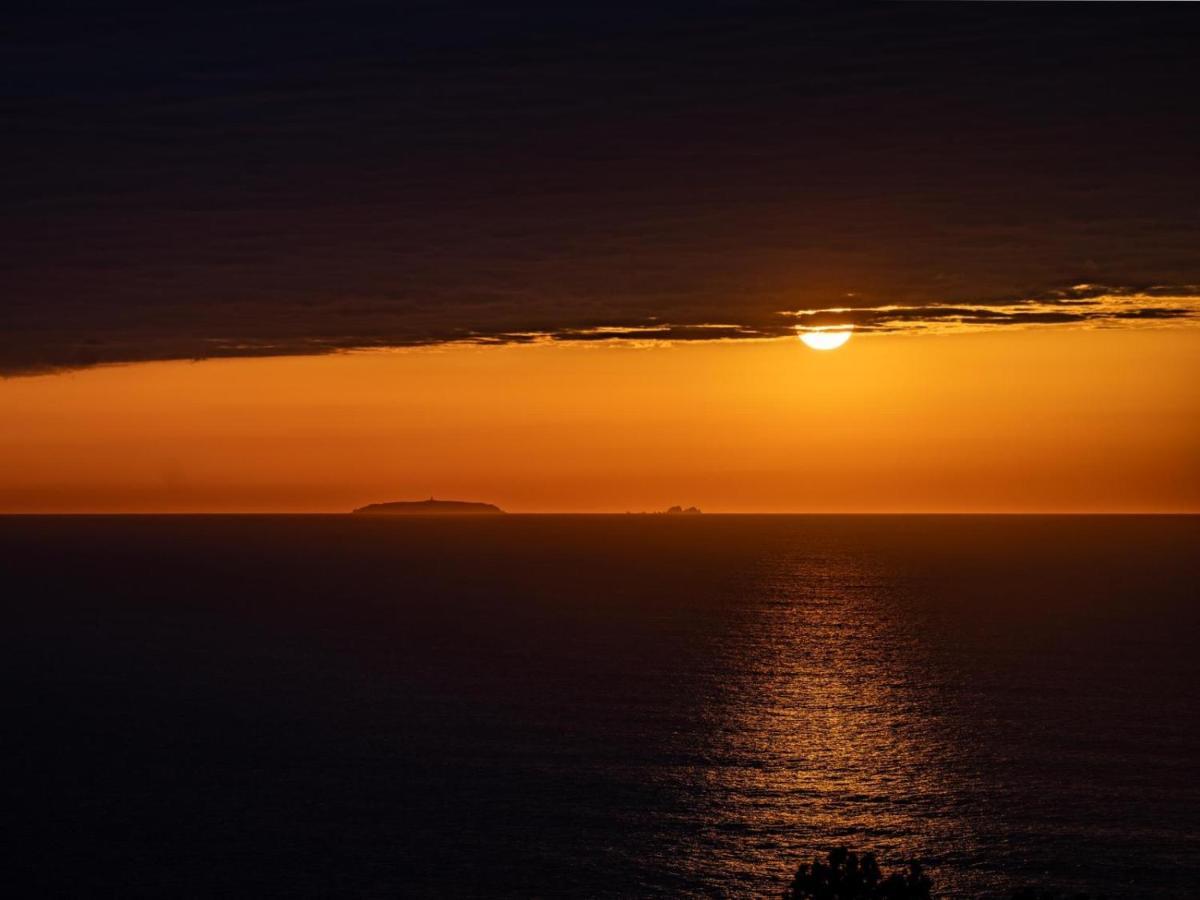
column 1006, row 421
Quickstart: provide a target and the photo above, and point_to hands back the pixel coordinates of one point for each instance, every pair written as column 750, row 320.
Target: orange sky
column 1007, row 420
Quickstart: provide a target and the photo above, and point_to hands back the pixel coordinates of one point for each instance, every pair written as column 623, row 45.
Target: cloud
column 224, row 181
column 383, row 326
column 1094, row 306
column 1088, row 306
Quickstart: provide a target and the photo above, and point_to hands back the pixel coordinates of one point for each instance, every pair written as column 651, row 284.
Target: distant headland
column 430, row 507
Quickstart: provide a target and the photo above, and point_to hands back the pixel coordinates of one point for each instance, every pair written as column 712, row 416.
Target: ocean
column 597, row 706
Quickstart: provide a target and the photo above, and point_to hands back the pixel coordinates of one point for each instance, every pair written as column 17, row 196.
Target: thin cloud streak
column 1093, row 306
column 1084, row 305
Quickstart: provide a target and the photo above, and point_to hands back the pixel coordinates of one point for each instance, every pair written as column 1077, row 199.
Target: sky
column 268, row 256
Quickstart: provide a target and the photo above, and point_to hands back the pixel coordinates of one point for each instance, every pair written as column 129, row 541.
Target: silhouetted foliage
column 848, row 876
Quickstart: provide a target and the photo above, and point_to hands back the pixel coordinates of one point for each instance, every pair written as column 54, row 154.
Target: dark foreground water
column 597, row 706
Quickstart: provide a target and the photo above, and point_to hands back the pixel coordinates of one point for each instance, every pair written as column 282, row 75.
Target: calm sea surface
column 597, row 706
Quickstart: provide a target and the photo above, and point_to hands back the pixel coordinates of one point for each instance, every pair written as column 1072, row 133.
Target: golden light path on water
column 826, row 733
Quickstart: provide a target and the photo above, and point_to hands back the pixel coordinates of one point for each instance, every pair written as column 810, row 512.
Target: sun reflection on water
column 829, row 732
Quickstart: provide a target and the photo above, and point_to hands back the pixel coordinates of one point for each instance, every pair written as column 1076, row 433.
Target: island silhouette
column 430, row 507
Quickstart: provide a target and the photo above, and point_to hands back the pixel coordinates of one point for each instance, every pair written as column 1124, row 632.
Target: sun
column 825, row 340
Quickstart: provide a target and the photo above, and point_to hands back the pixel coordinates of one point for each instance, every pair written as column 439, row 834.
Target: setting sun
column 825, row 340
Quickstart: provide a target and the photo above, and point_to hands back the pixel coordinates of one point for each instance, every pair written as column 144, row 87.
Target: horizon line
column 385, row 516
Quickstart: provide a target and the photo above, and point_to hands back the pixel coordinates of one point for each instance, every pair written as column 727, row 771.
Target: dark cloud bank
column 268, row 178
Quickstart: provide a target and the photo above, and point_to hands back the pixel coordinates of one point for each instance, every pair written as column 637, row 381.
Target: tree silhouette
column 851, row 876
column 848, row 876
